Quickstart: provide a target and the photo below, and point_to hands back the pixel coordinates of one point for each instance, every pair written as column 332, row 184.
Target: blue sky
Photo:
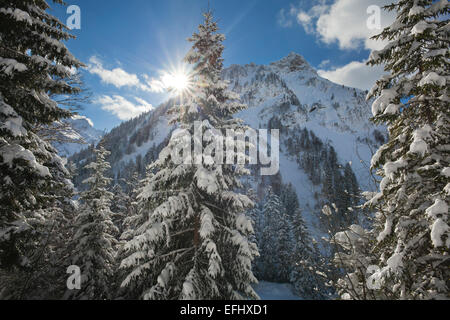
column 127, row 45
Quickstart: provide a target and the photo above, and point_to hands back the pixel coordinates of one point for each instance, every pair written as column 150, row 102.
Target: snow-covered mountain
column 291, row 90
column 78, row 133
column 288, row 95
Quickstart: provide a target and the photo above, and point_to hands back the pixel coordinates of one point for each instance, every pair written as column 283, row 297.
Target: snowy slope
column 80, row 129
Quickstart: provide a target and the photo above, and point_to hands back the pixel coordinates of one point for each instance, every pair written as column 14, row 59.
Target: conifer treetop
column 209, row 98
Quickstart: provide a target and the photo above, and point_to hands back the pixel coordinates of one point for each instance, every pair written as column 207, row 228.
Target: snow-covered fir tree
column 288, row 197
column 137, row 217
column 411, row 237
column 93, row 243
column 120, row 207
column 34, row 63
column 303, row 257
column 194, row 242
column 255, row 215
column 306, row 269
column 264, row 264
column 340, row 189
column 275, row 245
column 354, row 258
column 49, row 279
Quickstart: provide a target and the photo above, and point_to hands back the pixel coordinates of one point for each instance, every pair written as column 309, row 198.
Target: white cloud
column 79, row 117
column 306, row 21
column 117, row 77
column 355, row 74
column 343, row 22
column 123, row 108
column 324, row 63
column 346, row 23
column 120, row 78
column 283, row 19
column 153, row 85
column 304, row 18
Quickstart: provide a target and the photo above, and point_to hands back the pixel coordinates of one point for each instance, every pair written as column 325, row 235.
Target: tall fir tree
column 289, row 199
column 194, row 242
column 255, row 216
column 411, row 236
column 275, row 247
column 120, row 207
column 138, row 217
column 306, row 269
column 34, row 63
column 93, row 242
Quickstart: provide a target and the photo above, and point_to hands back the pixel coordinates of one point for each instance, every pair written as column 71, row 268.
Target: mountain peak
column 293, row 55
column 76, row 130
column 82, row 119
column 292, row 62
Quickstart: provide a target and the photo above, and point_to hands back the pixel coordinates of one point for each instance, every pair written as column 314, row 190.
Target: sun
column 178, row 81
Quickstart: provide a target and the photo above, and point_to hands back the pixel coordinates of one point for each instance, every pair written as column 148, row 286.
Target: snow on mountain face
column 293, row 89
column 80, row 129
